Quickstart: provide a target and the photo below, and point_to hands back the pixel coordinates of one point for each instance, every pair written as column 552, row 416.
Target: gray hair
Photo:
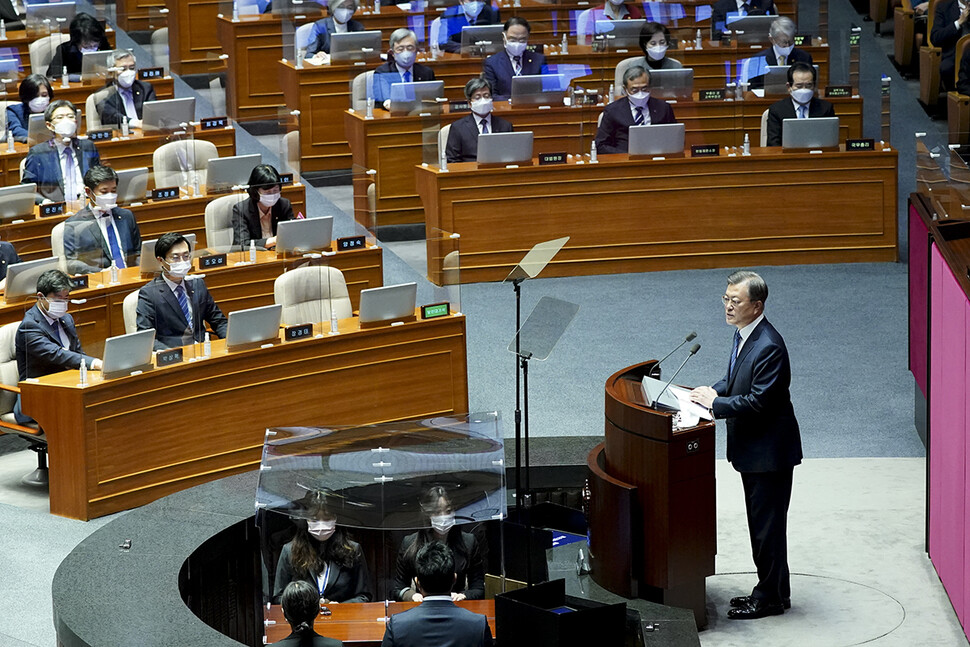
column 117, row 55
column 782, row 26
column 634, row 72
column 400, row 34
column 336, row 4
column 475, row 85
column 757, row 288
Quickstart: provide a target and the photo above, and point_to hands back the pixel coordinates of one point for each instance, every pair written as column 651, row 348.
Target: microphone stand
column 693, row 350
column 655, row 370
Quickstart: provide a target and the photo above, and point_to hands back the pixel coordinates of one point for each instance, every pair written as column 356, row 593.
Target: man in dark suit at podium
column 763, row 442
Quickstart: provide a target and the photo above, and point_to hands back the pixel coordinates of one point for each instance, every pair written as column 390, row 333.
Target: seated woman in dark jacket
column 256, row 218
column 36, row 94
column 87, row 35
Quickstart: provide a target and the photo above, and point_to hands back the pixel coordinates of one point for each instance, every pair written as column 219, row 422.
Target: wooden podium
column 652, row 522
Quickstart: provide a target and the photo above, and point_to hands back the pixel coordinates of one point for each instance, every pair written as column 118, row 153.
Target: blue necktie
column 484, row 127
column 734, row 352
column 113, row 246
column 407, row 76
column 184, row 304
column 638, row 120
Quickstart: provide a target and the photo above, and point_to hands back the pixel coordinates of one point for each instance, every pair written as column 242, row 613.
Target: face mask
column 268, row 199
column 89, row 50
column 65, row 128
column 106, row 201
column 39, row 104
column 472, row 9
column 784, row 51
column 515, row 49
column 803, row 95
column 405, row 59
column 179, row 269
column 126, row 78
column 656, row 52
column 343, row 15
column 56, row 309
column 442, row 523
column 322, row 530
column 639, row 99
column 482, row 107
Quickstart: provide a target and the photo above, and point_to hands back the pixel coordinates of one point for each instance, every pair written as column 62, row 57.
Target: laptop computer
column 22, row 278
column 621, row 33
column 505, row 148
column 95, row 64
column 355, row 46
column 672, row 84
column 148, row 263
column 127, row 353
column 37, row 131
column 656, row 139
column 223, row 173
column 167, row 114
column 481, row 40
column 17, row 201
column 132, row 185
column 416, row 98
column 800, row 134
column 308, row 234
column 388, row 303
column 539, row 89
column 253, row 326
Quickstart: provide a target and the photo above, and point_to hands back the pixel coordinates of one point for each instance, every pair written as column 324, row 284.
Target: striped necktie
column 638, row 119
column 517, row 60
column 183, row 303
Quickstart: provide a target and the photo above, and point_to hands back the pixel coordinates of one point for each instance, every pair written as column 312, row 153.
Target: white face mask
column 405, row 59
column 39, row 104
column 322, row 530
column 482, row 107
column 65, row 128
column 656, row 52
column 803, row 95
column 126, row 78
column 106, row 201
column 343, row 15
column 639, row 99
column 442, row 523
column 56, row 309
column 784, row 51
column 473, row 8
column 515, row 49
column 89, row 50
column 179, row 269
column 269, row 199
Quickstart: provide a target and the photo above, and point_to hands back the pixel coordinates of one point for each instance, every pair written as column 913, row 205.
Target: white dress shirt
column 75, row 154
column 747, row 330
column 106, row 219
column 646, row 113
column 65, row 342
column 487, row 119
column 798, row 107
column 172, row 286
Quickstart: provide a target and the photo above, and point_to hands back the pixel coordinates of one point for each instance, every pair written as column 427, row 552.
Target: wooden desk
column 78, row 92
column 318, row 91
column 627, row 215
column 392, row 145
column 121, row 443
column 133, row 152
column 192, row 43
column 20, row 40
column 140, row 15
column 361, row 624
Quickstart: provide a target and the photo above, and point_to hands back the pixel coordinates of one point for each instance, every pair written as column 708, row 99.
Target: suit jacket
column 462, row 144
column 309, row 639
column 68, row 55
column 85, row 247
column 8, row 256
column 159, row 309
column 437, row 622
column 498, row 71
column 785, row 109
column 613, row 134
column 112, row 109
column 796, row 56
column 382, row 89
column 762, row 433
column 39, row 350
column 320, row 37
column 945, row 35
column 18, row 118
column 452, row 21
column 245, row 221
column 343, row 584
column 43, row 166
column 469, row 566
column 722, row 8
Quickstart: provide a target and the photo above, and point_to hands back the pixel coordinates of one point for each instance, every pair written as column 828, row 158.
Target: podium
column 652, row 521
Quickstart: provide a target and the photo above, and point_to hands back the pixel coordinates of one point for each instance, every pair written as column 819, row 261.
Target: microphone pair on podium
column 655, row 370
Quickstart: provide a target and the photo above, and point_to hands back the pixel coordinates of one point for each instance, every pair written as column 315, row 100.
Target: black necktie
column 734, row 352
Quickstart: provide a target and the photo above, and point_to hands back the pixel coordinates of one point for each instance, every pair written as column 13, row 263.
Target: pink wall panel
column 918, row 267
column 935, row 453
column 966, row 418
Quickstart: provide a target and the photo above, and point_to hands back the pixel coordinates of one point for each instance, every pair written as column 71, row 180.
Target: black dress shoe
column 742, row 600
column 756, row 609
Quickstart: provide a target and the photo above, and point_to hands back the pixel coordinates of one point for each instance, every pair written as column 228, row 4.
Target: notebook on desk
column 817, row 133
column 253, row 326
column 125, row 354
column 388, row 303
column 223, row 173
column 308, row 234
column 22, row 278
column 656, row 139
column 167, row 114
column 505, row 148
column 17, row 201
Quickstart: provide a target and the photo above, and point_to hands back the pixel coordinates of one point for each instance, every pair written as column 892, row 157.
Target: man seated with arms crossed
column 177, row 309
column 400, row 66
column 58, row 165
column 437, row 620
column 131, row 93
column 516, row 60
column 462, row 145
column 47, row 340
column 637, row 108
column 102, row 231
column 802, row 103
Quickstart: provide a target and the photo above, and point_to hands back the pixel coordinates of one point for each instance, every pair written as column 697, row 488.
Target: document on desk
column 688, row 409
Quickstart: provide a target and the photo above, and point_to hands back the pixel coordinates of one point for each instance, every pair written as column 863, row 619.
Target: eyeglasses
column 728, row 301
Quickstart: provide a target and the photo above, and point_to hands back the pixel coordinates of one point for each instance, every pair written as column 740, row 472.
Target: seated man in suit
column 516, row 60
column 466, row 13
column 47, row 340
column 176, row 308
column 802, row 103
column 636, row 108
column 101, row 233
column 400, row 66
column 87, row 35
column 437, row 620
column 301, row 605
column 338, row 22
column 131, row 93
column 782, row 50
column 724, row 9
column 58, row 165
column 949, row 23
column 462, row 145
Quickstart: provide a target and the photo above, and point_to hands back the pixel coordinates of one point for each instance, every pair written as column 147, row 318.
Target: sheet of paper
column 688, row 408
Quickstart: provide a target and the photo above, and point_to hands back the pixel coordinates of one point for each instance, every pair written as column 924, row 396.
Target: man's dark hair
column 801, row 67
column 98, row 174
column 30, row 88
column 264, row 176
column 167, row 242
column 53, row 281
column 435, row 568
column 85, row 28
column 517, row 20
column 301, row 604
column 757, row 288
column 54, row 105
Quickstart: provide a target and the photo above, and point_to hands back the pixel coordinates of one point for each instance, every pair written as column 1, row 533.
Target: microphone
column 691, row 353
column 655, row 370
